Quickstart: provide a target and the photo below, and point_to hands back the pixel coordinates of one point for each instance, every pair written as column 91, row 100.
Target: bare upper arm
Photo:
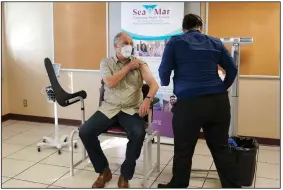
column 147, row 74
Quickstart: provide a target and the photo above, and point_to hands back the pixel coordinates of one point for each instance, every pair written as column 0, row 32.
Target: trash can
column 245, row 150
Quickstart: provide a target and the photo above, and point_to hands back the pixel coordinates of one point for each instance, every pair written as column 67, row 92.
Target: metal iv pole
column 234, row 90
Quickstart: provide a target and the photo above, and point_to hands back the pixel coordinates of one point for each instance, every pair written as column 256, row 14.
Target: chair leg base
column 48, row 142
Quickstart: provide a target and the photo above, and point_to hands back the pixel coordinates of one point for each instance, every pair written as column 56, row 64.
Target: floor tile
column 164, row 147
column 133, row 183
column 14, row 183
column 62, row 159
column 267, row 183
column 114, row 164
column 165, row 156
column 269, row 156
column 7, row 123
column 81, row 179
column 10, row 167
column 202, row 149
column 31, row 123
column 103, row 142
column 40, row 130
column 22, row 139
column 54, row 187
column 8, row 149
column 197, row 179
column 12, row 130
column 269, row 171
column 212, row 184
column 117, row 148
column 4, row 179
column 42, row 173
column 31, row 154
column 18, row 126
column 139, row 171
column 200, row 162
column 67, row 129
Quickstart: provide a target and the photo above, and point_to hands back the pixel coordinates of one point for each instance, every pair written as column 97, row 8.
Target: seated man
column 123, row 103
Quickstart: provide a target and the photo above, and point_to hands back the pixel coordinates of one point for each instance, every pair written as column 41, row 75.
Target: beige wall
column 4, row 76
column 29, row 41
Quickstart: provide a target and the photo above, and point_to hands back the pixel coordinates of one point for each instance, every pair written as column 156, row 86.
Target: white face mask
column 126, row 51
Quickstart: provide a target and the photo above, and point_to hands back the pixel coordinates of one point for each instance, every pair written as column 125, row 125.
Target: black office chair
column 64, row 99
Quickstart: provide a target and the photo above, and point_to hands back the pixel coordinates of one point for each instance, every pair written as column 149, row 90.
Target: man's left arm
column 167, row 64
column 149, row 79
column 153, row 88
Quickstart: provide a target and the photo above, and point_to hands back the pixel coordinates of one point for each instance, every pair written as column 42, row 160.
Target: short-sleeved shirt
column 127, row 95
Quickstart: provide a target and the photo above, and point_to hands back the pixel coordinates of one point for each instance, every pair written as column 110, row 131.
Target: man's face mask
column 126, row 51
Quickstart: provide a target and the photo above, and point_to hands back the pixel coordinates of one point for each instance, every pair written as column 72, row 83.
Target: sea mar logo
column 151, row 10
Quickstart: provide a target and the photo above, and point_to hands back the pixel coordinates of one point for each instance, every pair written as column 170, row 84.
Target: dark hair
column 173, row 96
column 191, row 21
column 143, row 49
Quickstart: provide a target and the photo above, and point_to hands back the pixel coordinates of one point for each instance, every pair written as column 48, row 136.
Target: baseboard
column 5, row 117
column 39, row 119
column 72, row 122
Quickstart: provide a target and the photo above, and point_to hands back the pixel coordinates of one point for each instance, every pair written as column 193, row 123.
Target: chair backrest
column 145, row 90
column 58, row 90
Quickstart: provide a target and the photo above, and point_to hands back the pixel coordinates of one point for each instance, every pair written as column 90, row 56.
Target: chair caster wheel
column 38, row 149
column 75, row 145
column 44, row 140
column 59, row 152
column 65, row 140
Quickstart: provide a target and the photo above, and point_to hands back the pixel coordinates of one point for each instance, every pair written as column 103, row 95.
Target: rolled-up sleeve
column 167, row 64
column 228, row 64
column 104, row 69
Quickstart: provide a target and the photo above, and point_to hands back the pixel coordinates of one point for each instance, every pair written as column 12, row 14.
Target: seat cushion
column 116, row 130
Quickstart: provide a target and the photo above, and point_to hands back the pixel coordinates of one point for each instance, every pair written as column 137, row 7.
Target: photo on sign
column 152, row 48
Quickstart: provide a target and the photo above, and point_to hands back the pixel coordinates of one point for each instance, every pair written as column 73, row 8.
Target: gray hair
column 118, row 37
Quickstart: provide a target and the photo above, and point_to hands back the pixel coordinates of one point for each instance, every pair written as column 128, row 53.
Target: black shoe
column 170, row 185
column 163, row 186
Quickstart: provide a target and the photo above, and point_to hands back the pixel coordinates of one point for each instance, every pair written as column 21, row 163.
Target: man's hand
column 134, row 64
column 144, row 107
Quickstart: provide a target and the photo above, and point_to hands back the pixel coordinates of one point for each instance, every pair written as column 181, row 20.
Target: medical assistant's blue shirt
column 194, row 58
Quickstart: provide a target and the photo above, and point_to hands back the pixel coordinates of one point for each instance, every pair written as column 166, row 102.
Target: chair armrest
column 154, row 101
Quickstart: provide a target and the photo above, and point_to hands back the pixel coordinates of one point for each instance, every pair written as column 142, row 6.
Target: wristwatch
column 150, row 98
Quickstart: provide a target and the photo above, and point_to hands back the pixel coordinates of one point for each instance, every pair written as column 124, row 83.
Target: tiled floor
column 24, row 167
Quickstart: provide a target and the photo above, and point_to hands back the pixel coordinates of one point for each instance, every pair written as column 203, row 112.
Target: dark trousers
column 212, row 113
column 98, row 123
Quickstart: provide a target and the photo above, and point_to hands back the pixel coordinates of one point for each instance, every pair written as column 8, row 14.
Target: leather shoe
column 171, row 185
column 163, row 186
column 102, row 179
column 123, row 183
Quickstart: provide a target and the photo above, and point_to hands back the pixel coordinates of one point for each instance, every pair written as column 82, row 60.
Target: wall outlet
column 25, row 103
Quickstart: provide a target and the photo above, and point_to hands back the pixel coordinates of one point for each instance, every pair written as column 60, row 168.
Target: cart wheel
column 38, row 149
column 44, row 140
column 65, row 140
column 59, row 152
column 75, row 145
